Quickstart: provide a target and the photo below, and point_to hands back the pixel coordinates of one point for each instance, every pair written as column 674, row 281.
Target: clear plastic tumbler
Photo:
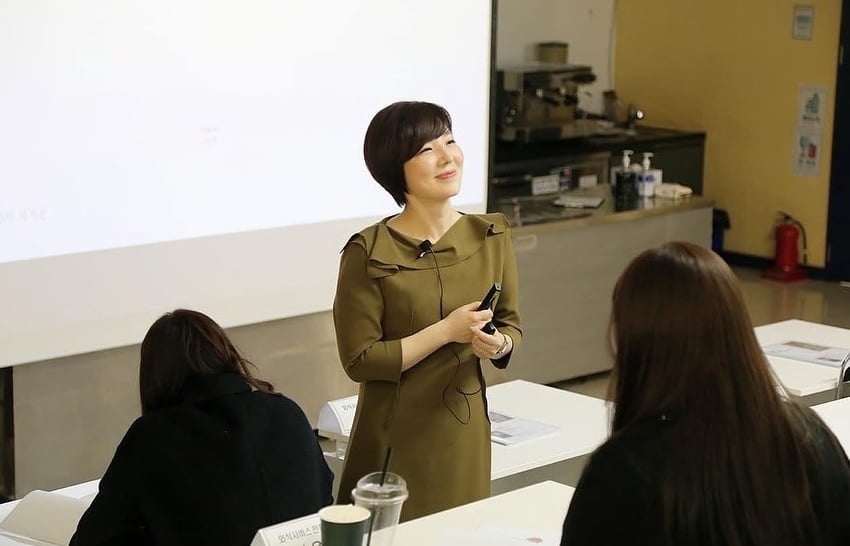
column 384, row 501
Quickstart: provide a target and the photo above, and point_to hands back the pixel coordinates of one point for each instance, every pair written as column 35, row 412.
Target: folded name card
column 337, row 417
column 306, row 531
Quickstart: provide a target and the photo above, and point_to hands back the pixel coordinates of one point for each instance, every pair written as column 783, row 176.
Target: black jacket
column 210, row 470
column 618, row 498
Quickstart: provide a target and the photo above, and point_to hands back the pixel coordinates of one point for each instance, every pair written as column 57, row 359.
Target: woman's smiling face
column 434, row 173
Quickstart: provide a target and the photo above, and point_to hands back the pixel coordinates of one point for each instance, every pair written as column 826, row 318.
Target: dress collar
column 390, row 250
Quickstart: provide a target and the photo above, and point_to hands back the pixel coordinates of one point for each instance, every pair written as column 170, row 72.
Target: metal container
column 552, row 52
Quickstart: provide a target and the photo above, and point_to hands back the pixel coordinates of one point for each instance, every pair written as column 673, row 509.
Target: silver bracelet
column 504, row 346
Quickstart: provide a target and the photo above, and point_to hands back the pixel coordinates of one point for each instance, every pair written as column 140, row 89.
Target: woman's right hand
column 458, row 324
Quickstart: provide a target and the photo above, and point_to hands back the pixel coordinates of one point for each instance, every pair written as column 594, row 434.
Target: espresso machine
column 537, row 102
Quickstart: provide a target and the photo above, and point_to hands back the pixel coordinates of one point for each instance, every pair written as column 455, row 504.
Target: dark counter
column 615, row 143
column 680, row 155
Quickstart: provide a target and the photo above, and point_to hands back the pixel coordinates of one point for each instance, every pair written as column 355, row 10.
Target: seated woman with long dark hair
column 216, row 454
column 705, row 449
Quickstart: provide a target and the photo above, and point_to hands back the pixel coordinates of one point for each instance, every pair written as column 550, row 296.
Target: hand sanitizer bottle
column 646, row 181
column 625, row 180
column 649, row 178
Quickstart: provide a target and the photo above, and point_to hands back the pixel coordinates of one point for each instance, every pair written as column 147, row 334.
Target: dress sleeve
column 357, row 311
column 114, row 518
column 610, row 504
column 506, row 315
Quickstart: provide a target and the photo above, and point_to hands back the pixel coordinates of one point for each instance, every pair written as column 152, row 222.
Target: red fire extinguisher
column 786, row 266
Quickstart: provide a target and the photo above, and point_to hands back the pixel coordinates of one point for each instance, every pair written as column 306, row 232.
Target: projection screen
column 206, row 154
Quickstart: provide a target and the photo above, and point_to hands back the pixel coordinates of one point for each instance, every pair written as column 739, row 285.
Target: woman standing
column 705, row 449
column 406, row 317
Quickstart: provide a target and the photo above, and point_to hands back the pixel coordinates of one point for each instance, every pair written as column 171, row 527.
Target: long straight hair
column 184, row 344
column 685, row 351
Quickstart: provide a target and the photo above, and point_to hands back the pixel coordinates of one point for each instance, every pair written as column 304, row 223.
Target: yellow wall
column 730, row 67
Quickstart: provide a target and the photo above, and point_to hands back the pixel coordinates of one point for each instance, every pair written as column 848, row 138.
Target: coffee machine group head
column 536, row 101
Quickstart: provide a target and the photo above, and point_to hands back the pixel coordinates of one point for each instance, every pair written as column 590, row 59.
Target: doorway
column 838, row 221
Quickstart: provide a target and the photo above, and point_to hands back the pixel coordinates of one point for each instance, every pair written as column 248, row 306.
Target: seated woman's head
column 682, row 336
column 395, row 135
column 182, row 345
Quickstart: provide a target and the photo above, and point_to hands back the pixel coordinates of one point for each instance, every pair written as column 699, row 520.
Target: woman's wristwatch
column 501, row 350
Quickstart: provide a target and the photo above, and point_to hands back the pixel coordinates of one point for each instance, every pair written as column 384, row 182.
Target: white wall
column 585, row 25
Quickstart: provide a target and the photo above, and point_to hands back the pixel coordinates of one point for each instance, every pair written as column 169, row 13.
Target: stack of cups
column 384, row 501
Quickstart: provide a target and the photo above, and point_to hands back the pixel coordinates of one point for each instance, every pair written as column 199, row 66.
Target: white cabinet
column 567, row 272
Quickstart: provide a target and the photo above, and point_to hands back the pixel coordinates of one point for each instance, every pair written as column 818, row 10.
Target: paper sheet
column 509, row 430
column 807, row 352
column 49, row 518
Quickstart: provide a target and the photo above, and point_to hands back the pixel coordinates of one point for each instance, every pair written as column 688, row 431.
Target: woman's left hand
column 485, row 345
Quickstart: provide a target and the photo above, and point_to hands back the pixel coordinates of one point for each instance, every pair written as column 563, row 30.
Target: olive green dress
column 434, row 415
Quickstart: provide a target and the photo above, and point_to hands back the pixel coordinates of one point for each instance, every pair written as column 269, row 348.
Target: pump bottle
column 648, row 178
column 625, row 180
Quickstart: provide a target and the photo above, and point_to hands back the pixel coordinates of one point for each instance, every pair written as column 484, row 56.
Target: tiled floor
column 768, row 301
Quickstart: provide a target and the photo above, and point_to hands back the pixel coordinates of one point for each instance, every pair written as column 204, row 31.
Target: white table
column 538, row 508
column 836, row 415
column 813, row 383
column 582, row 423
column 77, row 491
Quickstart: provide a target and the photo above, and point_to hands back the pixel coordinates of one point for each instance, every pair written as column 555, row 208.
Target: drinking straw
column 383, row 477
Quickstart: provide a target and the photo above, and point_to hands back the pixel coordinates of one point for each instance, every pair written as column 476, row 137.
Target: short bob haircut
column 395, row 135
column 181, row 345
